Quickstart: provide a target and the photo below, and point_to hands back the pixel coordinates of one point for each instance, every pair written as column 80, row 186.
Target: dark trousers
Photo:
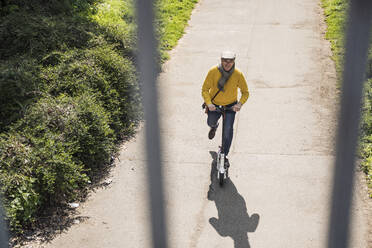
column 212, row 120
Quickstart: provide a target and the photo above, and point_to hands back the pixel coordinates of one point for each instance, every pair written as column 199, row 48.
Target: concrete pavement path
column 282, row 153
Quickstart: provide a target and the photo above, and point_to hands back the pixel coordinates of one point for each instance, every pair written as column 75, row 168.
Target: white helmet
column 228, row 55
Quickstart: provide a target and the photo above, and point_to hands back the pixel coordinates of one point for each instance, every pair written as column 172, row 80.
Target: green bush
column 40, row 44
column 19, row 87
column 68, row 93
column 51, row 6
column 36, row 173
column 17, row 181
column 39, row 32
column 366, row 134
column 80, row 123
column 48, row 154
column 105, row 74
column 34, row 34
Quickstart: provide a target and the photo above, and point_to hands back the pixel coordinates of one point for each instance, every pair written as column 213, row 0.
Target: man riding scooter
column 220, row 88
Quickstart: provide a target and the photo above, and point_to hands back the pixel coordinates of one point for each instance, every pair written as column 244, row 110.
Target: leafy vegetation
column 335, row 11
column 68, row 94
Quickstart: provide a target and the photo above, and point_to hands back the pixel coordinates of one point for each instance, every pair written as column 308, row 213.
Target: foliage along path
column 282, row 154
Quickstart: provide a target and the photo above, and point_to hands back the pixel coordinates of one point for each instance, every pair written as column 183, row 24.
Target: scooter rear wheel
column 221, row 178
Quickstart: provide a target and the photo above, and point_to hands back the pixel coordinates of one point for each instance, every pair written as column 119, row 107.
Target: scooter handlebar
column 223, row 108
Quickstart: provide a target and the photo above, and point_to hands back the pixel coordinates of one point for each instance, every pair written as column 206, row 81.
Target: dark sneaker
column 212, row 132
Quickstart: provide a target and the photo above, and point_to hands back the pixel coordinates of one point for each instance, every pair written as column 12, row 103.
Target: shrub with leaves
column 17, row 180
column 366, row 134
column 49, row 153
column 103, row 73
column 19, row 87
column 68, row 93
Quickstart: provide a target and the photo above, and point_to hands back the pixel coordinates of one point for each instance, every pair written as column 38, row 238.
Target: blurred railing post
column 4, row 240
column 357, row 41
column 147, row 54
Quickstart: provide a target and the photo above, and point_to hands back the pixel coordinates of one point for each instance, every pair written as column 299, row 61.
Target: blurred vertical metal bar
column 357, row 40
column 147, row 46
column 4, row 240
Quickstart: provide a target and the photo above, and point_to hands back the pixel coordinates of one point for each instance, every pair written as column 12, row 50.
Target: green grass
column 335, row 12
column 118, row 18
column 171, row 17
column 171, row 20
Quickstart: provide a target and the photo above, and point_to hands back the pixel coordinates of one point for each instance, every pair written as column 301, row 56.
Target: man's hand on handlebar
column 237, row 107
column 211, row 107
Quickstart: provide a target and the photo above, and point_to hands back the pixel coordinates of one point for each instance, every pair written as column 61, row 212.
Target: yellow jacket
column 230, row 93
